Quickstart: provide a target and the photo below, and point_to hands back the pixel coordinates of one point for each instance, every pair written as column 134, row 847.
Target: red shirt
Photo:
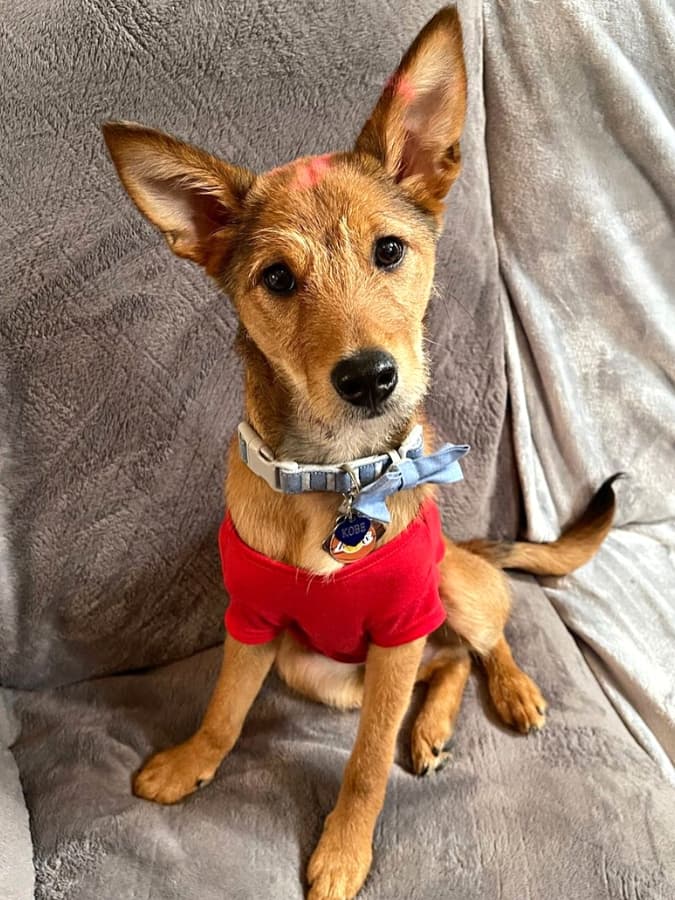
column 389, row 598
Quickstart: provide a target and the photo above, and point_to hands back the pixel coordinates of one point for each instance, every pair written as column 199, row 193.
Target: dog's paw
column 171, row 775
column 428, row 743
column 518, row 700
column 339, row 865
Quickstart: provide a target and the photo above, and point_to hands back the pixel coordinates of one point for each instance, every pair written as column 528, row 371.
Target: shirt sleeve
column 248, row 625
column 246, row 617
column 417, row 618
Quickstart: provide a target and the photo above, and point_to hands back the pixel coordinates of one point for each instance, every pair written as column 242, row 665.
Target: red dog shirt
column 389, row 598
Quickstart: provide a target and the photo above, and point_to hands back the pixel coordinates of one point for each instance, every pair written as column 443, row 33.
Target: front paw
column 171, row 775
column 340, row 863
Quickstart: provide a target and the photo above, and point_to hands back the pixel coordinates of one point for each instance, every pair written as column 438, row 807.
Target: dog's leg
column 172, row 774
column 476, row 597
column 342, row 859
column 516, row 697
column 435, row 722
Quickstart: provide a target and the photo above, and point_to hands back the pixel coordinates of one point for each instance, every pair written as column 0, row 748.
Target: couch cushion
column 581, row 148
column 575, row 811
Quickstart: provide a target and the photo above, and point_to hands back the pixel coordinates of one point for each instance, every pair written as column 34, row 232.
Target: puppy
column 329, row 262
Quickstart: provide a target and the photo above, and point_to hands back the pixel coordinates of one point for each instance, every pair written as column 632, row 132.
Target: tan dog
column 324, row 259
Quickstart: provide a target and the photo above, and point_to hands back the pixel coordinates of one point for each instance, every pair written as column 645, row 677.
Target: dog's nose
column 365, row 379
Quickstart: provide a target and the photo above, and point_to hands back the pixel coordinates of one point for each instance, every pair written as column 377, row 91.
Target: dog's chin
column 348, row 432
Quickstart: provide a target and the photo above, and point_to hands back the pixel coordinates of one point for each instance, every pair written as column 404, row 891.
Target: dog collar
column 291, row 477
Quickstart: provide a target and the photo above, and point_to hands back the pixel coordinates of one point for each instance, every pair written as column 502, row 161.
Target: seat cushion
column 576, row 811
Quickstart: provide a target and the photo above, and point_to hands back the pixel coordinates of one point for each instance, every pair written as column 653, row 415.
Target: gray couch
column 553, row 335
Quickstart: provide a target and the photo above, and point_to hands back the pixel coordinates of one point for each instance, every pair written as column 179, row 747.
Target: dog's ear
column 415, row 127
column 192, row 197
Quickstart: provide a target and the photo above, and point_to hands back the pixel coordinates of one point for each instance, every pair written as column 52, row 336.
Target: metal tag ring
column 354, row 475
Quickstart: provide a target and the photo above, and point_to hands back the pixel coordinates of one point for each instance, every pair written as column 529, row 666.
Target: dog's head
column 329, row 260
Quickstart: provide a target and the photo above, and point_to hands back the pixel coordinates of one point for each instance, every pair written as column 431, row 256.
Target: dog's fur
column 320, row 217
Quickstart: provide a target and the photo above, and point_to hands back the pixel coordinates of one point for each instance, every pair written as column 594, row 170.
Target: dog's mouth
column 375, row 410
column 391, row 410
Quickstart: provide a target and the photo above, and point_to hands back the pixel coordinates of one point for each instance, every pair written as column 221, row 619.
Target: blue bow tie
column 441, row 467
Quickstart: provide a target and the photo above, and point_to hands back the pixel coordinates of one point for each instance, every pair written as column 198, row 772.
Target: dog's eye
column 388, row 252
column 279, row 279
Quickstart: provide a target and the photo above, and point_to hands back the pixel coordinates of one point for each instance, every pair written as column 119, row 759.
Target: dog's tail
column 573, row 548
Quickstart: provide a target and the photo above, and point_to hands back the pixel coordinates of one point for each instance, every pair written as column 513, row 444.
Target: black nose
column 365, row 379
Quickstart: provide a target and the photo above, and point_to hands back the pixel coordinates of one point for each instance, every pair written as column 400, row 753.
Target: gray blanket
column 118, row 360
column 575, row 812
column 16, row 858
column 584, row 224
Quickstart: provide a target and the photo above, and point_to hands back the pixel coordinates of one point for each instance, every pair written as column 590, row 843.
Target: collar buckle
column 260, row 459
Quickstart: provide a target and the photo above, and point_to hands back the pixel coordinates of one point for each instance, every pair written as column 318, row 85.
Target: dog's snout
column 366, row 379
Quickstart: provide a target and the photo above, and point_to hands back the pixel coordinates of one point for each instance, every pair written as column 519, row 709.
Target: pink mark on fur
column 307, row 172
column 402, row 86
column 311, row 171
column 405, row 88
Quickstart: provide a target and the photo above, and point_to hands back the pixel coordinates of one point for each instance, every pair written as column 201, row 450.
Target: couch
column 552, row 337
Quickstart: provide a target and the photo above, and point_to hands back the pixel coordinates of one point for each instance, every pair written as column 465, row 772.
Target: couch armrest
column 16, row 849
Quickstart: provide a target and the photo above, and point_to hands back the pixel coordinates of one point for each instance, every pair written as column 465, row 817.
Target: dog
column 329, row 262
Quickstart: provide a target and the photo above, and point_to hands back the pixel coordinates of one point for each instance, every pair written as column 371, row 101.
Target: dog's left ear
column 415, row 127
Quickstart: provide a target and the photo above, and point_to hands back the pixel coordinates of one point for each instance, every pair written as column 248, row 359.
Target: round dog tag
column 352, row 530
column 359, row 529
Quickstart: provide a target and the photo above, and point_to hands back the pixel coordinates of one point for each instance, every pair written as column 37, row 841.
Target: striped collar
column 290, row 477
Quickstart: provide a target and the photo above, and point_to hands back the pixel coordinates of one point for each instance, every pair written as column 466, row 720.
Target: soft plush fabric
column 124, row 389
column 581, row 150
column 389, row 598
column 577, row 811
column 119, row 358
column 16, row 852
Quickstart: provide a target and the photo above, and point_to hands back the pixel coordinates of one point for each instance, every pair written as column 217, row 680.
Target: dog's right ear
column 415, row 128
column 195, row 199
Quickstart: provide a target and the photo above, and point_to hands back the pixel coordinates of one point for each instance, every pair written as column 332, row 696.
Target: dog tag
column 352, row 529
column 353, row 538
